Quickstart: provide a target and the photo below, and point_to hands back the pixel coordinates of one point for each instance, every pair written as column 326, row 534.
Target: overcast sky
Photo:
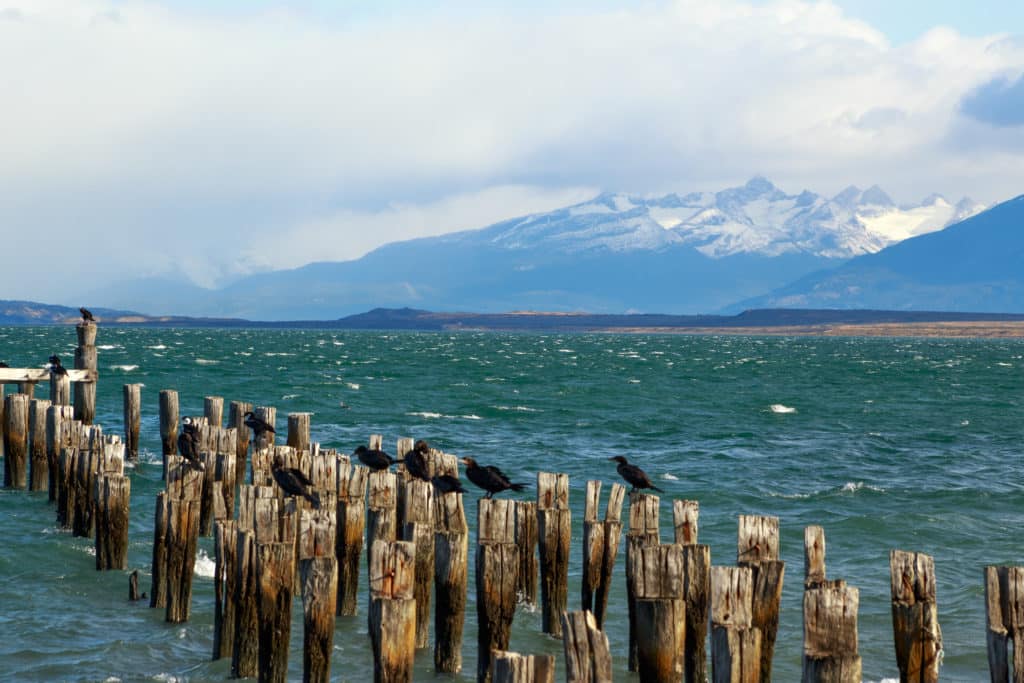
column 213, row 139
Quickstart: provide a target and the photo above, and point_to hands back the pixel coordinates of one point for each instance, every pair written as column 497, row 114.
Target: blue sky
column 210, row 140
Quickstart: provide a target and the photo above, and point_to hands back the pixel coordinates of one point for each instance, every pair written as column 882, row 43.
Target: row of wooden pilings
column 277, row 547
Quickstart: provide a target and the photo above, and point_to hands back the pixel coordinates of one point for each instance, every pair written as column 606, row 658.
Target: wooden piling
column 56, row 416
column 245, row 653
column 528, row 540
column 319, row 595
column 269, row 415
column 1004, row 622
column 758, row 549
column 298, row 430
column 132, row 419
column 225, row 576
column 657, row 579
column 133, row 586
column 512, row 667
column 168, row 425
column 696, row 588
column 915, row 617
column 643, row 531
column 213, row 410
column 86, row 359
column 814, row 557
column 112, row 496
column 588, row 658
column 600, row 547
column 735, row 641
column 15, row 441
column 451, row 572
column 84, row 468
column 39, row 463
column 419, row 530
column 554, row 531
column 275, row 569
column 830, row 634
column 236, row 420
column 60, row 390
column 392, row 619
column 176, row 533
column 497, row 567
column 351, row 525
column 381, row 510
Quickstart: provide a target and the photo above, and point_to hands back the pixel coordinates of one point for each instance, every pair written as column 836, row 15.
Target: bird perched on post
column 258, row 425
column 86, row 315
column 416, row 461
column 489, row 478
column 188, row 444
column 446, row 483
column 293, row 482
column 55, row 366
column 4, row 365
column 633, row 475
column 372, row 458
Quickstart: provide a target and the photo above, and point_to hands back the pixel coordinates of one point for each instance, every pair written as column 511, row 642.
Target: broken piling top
column 392, row 569
column 757, row 539
column 684, row 516
column 912, row 577
column 814, row 556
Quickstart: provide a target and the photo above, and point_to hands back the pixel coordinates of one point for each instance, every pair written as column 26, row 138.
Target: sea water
column 902, row 443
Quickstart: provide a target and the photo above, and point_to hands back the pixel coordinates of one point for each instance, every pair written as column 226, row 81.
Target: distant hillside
column 975, row 265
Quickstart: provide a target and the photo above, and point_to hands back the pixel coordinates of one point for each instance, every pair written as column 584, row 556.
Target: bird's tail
column 518, row 487
column 655, row 488
column 314, row 499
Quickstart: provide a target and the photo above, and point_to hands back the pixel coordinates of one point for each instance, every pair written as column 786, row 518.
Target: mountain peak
column 848, row 197
column 876, row 196
column 760, row 185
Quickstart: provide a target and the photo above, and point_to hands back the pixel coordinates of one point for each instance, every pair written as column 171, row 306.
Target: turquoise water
column 887, row 443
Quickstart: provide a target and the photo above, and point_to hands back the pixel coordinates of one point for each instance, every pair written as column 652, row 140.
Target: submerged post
column 132, row 419
column 554, row 530
column 85, row 359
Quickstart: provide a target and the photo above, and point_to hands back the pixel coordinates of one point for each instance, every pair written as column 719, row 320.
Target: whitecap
column 126, row 368
column 352, row 385
column 471, row 417
column 107, row 347
column 854, row 486
column 158, row 347
column 205, row 566
column 670, row 477
column 423, row 414
column 779, row 408
column 633, row 381
column 519, row 409
column 964, row 423
column 288, row 397
column 205, row 361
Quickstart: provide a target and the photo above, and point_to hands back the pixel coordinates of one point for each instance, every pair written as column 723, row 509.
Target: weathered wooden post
column 915, row 616
column 168, row 425
column 2, row 419
column 381, row 510
column 60, row 390
column 643, row 530
column 217, row 453
column 696, row 588
column 657, row 579
column 275, row 571
column 132, row 419
column 350, row 527
column 814, row 557
column 512, row 667
column 1004, row 622
column 213, row 410
column 497, row 567
column 245, row 652
column 451, row 572
column 392, row 610
column 758, row 548
column 85, row 359
column 85, row 465
column 588, row 658
column 419, row 530
column 269, row 415
column 554, row 531
column 112, row 496
column 298, row 430
column 600, row 547
column 225, row 576
column 56, row 440
column 319, row 595
column 15, row 441
column 527, row 539
column 39, row 463
column 735, row 641
column 236, row 420
column 830, row 634
column 174, row 541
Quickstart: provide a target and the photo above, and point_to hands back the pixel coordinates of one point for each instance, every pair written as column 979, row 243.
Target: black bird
column 188, row 444
column 633, row 475
column 446, row 483
column 489, row 478
column 374, row 459
column 4, row 365
column 258, row 425
column 416, row 461
column 55, row 366
column 86, row 315
column 294, row 482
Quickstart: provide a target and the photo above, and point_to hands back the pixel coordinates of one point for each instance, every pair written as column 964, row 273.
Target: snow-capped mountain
column 757, row 218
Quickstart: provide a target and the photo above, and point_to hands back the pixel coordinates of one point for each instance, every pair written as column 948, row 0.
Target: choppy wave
column 126, row 368
column 781, row 409
column 519, row 409
column 441, row 416
column 670, row 477
column 157, row 347
column 352, row 385
column 107, row 347
column 207, row 361
column 848, row 487
column 205, row 566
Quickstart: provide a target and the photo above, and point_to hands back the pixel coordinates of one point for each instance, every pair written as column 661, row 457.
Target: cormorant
column 188, row 444
column 489, row 478
column 374, row 459
column 86, row 315
column 293, row 482
column 416, row 461
column 633, row 475
column 4, row 365
column 258, row 425
column 446, row 483
column 55, row 366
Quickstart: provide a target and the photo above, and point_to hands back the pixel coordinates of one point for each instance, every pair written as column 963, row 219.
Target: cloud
column 999, row 102
column 159, row 140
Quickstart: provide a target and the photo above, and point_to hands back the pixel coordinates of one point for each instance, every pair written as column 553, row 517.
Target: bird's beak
column 464, row 461
column 613, row 457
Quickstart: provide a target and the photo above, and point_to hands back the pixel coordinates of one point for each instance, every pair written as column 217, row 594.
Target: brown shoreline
column 952, row 330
